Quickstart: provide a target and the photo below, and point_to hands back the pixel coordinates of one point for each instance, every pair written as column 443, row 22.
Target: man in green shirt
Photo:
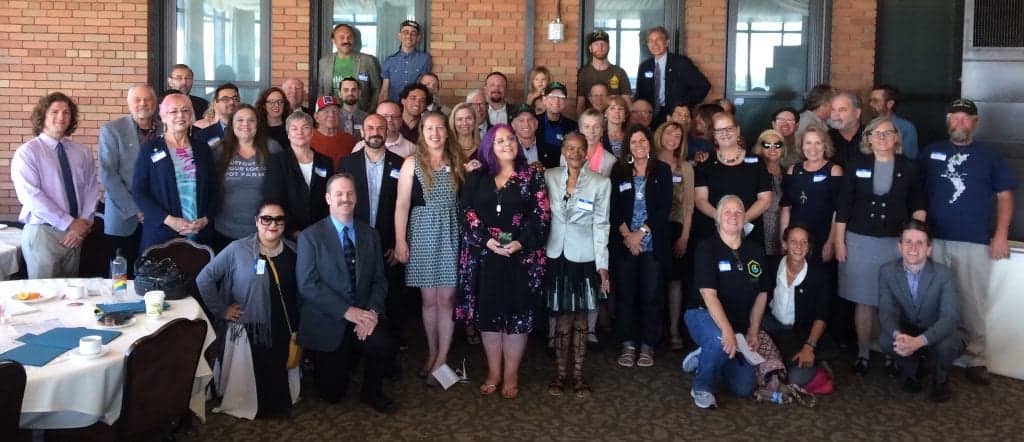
column 347, row 62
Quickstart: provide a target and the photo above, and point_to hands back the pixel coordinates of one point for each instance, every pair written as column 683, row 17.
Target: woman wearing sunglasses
column 770, row 147
column 254, row 311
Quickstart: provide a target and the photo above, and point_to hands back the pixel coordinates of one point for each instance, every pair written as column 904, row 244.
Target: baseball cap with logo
column 410, row 23
column 325, row 101
column 556, row 86
column 963, row 105
column 598, row 34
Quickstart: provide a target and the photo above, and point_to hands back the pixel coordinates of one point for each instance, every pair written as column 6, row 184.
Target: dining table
column 10, row 251
column 74, row 390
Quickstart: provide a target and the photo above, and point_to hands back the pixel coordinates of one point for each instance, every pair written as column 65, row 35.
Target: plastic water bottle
column 119, row 276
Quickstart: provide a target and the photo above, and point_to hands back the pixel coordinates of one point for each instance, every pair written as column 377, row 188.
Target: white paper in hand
column 749, row 354
column 445, row 376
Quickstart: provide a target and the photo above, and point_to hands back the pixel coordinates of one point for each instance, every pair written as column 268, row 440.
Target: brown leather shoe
column 978, row 375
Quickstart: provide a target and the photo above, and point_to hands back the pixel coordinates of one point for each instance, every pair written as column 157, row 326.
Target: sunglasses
column 266, row 220
column 767, row 145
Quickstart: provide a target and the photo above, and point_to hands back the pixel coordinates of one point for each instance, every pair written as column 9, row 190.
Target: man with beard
column 600, row 70
column 394, row 142
column 414, row 102
column 295, row 91
column 666, row 79
column 346, row 62
column 845, row 128
column 405, row 66
column 552, row 126
column 433, row 85
column 375, row 171
column 181, row 79
column 119, row 142
column 498, row 110
column 351, row 115
column 882, row 101
column 225, row 102
column 967, row 182
column 328, row 138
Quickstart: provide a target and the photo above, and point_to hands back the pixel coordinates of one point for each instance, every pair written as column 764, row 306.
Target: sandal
column 646, row 359
column 581, row 388
column 510, row 392
column 626, row 359
column 473, row 339
column 556, row 387
column 488, row 389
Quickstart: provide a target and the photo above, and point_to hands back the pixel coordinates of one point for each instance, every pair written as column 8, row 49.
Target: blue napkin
column 67, row 338
column 34, row 355
column 132, row 307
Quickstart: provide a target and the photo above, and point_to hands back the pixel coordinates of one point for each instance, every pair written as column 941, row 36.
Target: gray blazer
column 119, row 148
column 323, row 279
column 936, row 312
column 579, row 225
column 367, row 70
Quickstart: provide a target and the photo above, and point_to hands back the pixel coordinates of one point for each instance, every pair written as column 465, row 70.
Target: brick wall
column 562, row 57
column 853, row 45
column 705, row 28
column 289, row 40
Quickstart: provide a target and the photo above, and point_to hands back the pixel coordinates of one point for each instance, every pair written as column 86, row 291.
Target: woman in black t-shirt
column 729, row 297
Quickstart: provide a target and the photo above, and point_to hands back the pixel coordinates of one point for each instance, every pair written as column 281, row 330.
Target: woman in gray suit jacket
column 577, row 275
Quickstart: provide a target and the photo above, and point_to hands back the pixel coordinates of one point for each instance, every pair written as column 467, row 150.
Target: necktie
column 657, row 87
column 69, row 181
column 350, row 257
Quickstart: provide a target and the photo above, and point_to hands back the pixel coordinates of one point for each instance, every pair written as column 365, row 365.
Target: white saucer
column 103, row 351
column 41, row 298
column 127, row 323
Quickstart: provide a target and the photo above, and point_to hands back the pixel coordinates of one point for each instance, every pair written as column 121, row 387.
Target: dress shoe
column 978, row 375
column 912, row 385
column 861, row 366
column 940, row 392
column 892, row 368
column 382, row 404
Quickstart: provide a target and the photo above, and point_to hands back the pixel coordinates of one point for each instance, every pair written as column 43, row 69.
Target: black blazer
column 510, row 109
column 812, row 295
column 684, row 83
column 210, row 134
column 659, row 204
column 355, row 164
column 303, row 204
column 881, row 216
column 325, row 293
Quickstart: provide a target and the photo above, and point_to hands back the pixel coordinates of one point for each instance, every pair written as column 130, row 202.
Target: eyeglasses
column 643, row 112
column 266, row 220
column 883, row 134
column 725, row 130
column 785, row 120
column 275, row 102
column 234, row 99
column 768, row 145
column 179, row 78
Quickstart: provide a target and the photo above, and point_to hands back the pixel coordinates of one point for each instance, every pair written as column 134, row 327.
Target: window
column 222, row 41
column 775, row 46
column 377, row 22
column 626, row 22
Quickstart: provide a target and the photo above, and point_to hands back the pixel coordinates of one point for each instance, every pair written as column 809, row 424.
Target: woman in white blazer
column 578, row 257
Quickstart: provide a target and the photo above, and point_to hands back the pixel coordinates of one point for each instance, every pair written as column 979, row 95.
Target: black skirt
column 573, row 286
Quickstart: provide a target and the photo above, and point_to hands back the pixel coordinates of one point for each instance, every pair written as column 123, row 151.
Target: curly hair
column 261, row 106
column 39, row 112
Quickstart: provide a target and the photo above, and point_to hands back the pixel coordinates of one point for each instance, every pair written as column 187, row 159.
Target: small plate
column 42, row 298
column 103, row 351
column 127, row 323
column 3, row 226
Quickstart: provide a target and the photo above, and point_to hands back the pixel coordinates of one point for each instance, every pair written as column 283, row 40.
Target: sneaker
column 703, row 399
column 691, row 361
column 892, row 368
column 862, row 366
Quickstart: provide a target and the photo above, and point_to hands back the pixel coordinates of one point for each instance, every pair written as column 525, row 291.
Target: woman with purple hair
column 501, row 262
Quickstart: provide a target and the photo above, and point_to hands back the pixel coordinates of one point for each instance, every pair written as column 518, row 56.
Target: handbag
column 294, row 349
column 159, row 274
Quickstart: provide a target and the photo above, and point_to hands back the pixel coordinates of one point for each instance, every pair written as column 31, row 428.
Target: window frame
column 323, row 16
column 673, row 23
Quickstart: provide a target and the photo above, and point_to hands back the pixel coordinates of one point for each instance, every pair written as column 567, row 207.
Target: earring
column 629, row 159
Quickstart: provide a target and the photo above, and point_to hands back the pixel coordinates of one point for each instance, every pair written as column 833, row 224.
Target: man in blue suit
column 665, row 80
column 343, row 290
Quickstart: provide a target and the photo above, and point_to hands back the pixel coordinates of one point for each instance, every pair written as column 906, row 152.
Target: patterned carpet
column 635, row 404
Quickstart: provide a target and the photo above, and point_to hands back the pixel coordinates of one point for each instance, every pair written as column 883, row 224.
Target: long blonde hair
column 452, row 153
column 680, row 153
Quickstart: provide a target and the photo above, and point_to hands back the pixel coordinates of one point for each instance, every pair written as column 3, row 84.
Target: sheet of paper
column 749, row 354
column 446, row 376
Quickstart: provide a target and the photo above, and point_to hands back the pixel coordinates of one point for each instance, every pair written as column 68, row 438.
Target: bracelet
column 809, row 344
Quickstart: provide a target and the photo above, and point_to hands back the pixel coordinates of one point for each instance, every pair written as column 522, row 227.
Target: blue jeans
column 714, row 362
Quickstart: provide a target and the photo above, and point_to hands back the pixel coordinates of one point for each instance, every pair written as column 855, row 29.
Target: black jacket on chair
column 878, row 215
column 355, row 164
column 303, row 204
column 659, row 203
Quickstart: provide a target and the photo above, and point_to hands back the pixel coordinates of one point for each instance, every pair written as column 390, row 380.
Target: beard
column 959, row 135
column 375, row 142
column 836, row 124
column 351, row 101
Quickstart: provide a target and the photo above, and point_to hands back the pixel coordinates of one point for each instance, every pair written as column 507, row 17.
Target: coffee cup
column 75, row 292
column 90, row 345
column 154, row 300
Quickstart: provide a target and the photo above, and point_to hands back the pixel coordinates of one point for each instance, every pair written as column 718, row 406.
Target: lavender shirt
column 35, row 171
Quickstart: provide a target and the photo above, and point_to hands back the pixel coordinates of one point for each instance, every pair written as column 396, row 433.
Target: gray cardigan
column 234, row 270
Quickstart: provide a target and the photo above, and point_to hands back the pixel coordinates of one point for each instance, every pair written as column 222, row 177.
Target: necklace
column 731, row 160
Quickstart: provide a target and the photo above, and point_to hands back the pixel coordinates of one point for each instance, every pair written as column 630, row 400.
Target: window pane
column 377, row 22
column 220, row 40
column 770, row 50
column 625, row 21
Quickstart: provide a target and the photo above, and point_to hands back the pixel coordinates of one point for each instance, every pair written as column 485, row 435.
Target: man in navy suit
column 667, row 79
column 343, row 290
column 225, row 102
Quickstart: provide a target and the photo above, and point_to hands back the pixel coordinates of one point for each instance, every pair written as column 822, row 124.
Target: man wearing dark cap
column 961, row 177
column 666, row 79
column 552, row 126
column 405, row 66
column 328, row 138
column 524, row 123
column 600, row 70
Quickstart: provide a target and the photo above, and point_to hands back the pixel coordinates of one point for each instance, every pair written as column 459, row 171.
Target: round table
column 70, row 391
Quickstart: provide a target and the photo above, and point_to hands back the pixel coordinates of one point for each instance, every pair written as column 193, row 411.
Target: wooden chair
column 12, row 392
column 159, row 373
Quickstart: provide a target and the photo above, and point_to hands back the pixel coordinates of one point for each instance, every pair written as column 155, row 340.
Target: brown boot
column 562, row 357
column 579, row 385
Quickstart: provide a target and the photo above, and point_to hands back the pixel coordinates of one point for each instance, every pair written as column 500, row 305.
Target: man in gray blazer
column 919, row 312
column 120, row 140
column 342, row 290
column 347, row 62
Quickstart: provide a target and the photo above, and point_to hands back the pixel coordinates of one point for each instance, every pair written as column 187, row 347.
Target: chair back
column 12, row 392
column 159, row 373
column 188, row 255
column 95, row 260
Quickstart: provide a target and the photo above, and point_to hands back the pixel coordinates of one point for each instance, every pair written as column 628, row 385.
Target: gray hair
column 296, row 116
column 865, row 142
column 473, row 93
column 134, row 87
column 854, row 99
column 722, row 201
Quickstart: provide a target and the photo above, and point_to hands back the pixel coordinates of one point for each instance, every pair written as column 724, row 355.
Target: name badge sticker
column 863, row 173
column 585, row 205
column 625, row 186
column 750, row 160
column 320, row 171
column 157, row 156
column 261, row 266
column 649, row 74
column 677, row 179
column 724, row 266
column 357, row 126
column 818, row 178
column 363, row 77
column 394, row 174
column 560, row 137
column 938, row 156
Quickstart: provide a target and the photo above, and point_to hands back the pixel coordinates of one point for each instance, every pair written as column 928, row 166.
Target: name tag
column 625, row 186
column 560, row 137
column 938, row 156
column 363, row 77
column 584, row 205
column 724, row 266
column 863, row 173
column 677, row 179
column 751, row 160
column 649, row 74
column 394, row 174
column 358, row 127
column 320, row 171
column 447, row 168
column 818, row 178
column 261, row 266
column 213, row 141
column 157, row 156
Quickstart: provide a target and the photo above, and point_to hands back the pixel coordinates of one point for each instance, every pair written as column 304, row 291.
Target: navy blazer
column 210, row 134
column 325, row 293
column 659, row 203
column 355, row 164
column 811, row 300
column 155, row 190
column 878, row 215
column 303, row 204
column 684, row 83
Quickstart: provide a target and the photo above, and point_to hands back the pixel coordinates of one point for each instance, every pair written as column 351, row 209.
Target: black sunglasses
column 768, row 145
column 267, row 219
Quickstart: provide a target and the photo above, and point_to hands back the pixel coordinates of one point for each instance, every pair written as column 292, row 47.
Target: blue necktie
column 69, row 181
column 350, row 257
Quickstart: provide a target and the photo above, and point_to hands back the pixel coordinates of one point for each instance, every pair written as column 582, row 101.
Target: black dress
column 269, row 363
column 745, row 180
column 811, row 196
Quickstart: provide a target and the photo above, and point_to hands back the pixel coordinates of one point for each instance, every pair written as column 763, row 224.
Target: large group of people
column 649, row 211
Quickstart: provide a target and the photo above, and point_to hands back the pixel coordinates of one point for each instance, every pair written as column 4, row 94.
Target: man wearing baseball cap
column 406, row 65
column 524, row 123
column 600, row 70
column 961, row 176
column 328, row 138
column 552, row 126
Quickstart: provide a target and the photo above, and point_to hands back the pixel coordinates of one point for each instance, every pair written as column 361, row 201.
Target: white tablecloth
column 1003, row 327
column 70, row 391
column 10, row 249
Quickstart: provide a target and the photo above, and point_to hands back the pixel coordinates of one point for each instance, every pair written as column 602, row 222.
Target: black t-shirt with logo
column 737, row 275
